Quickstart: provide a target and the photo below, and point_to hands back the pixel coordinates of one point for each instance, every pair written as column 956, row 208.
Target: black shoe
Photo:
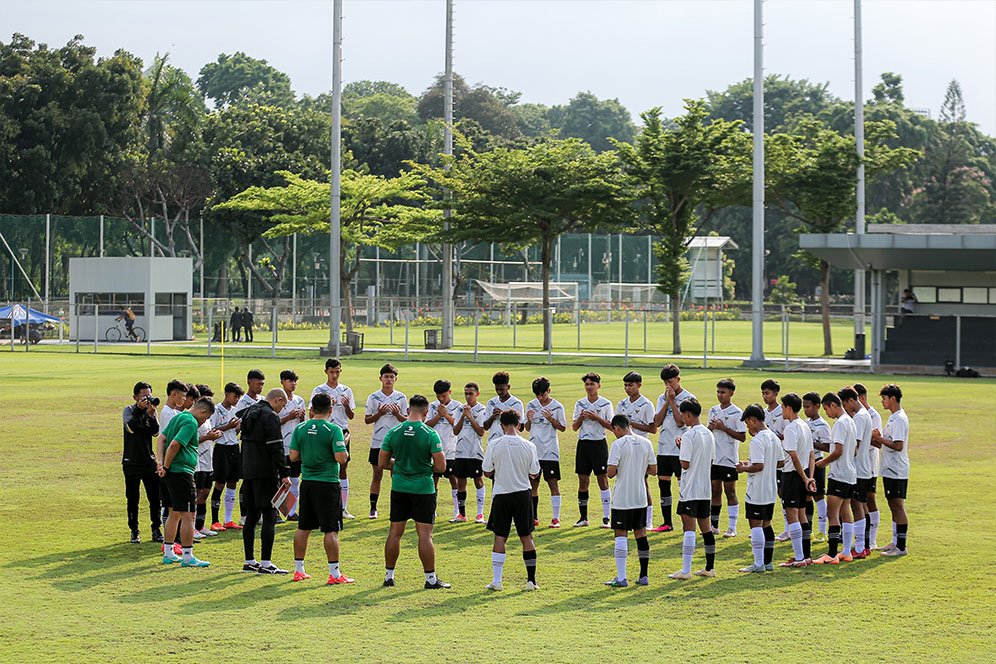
column 388, row 583
column 250, row 567
column 437, row 585
column 135, row 538
column 279, row 521
column 292, row 517
column 157, row 536
column 272, row 569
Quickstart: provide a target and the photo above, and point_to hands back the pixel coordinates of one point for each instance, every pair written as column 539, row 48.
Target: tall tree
column 238, row 78
column 488, row 106
column 385, row 101
column 594, row 120
column 784, row 98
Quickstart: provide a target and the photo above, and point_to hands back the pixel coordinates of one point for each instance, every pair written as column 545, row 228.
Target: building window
column 975, row 295
column 949, row 295
column 169, row 304
column 925, row 294
column 110, row 304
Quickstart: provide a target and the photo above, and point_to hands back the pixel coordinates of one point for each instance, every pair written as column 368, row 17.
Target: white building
column 705, row 259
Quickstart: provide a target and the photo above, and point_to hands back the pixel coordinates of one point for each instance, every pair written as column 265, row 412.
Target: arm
column 652, row 469
column 797, row 464
column 385, row 462
column 823, row 447
column 438, row 462
column 557, row 424
column 610, row 471
column 750, row 467
column 432, row 421
column 684, row 465
column 295, row 456
column 348, row 405
column 579, row 418
column 171, row 453
column 275, row 446
column 838, row 450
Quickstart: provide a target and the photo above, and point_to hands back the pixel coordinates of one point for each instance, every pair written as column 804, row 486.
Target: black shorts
column 861, row 489
column 697, row 509
column 894, row 488
column 793, row 490
column 723, row 473
column 204, row 479
column 591, row 456
column 820, row 475
column 509, row 507
column 180, row 488
column 839, row 489
column 295, row 467
column 668, row 466
column 549, row 470
column 450, row 469
column 320, row 506
column 374, row 456
column 419, row 507
column 634, row 519
column 873, row 485
column 164, row 493
column 227, row 462
column 259, row 492
column 759, row 512
column 468, row 468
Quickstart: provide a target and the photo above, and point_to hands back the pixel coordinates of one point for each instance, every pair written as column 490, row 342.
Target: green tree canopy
column 239, row 78
column 594, row 120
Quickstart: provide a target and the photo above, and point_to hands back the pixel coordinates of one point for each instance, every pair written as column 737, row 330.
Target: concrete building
column 705, row 258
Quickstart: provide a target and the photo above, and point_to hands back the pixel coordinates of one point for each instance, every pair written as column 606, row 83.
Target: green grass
column 75, row 590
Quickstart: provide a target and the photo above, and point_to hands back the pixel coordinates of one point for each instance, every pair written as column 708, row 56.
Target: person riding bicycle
column 128, row 316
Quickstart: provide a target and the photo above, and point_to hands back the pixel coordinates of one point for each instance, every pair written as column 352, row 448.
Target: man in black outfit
column 235, row 324
column 264, row 469
column 247, row 322
column 141, row 426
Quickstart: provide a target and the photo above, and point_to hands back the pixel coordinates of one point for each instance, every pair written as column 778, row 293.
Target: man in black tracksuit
column 264, row 469
column 141, row 426
column 235, row 324
column 247, row 323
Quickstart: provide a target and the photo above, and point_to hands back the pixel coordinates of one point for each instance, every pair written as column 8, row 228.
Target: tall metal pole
column 859, row 217
column 202, row 257
column 335, row 294
column 48, row 266
column 101, row 236
column 447, row 340
column 757, row 267
column 294, row 280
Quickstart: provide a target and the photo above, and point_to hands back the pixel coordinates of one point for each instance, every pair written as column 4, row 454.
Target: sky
column 644, row 52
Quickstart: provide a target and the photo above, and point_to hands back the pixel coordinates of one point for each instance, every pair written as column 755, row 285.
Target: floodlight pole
column 335, row 292
column 859, row 217
column 757, row 266
column 447, row 340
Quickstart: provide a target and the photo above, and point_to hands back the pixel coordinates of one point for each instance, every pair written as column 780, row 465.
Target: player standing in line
column 797, row 480
column 895, row 466
column 764, row 458
column 413, row 452
column 820, row 432
column 343, row 410
column 863, row 467
column 318, row 446
column 511, row 462
column 254, row 391
column 728, row 430
column 671, row 424
column 498, row 404
column 291, row 415
column 227, row 460
column 841, row 478
column 176, row 397
column 775, row 423
column 469, row 432
column 545, row 416
column 872, row 518
column 640, row 412
column 697, row 452
column 443, row 414
column 592, row 417
column 631, row 460
column 204, row 475
column 385, row 408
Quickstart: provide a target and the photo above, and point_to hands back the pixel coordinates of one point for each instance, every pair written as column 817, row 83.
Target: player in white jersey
column 631, row 460
column 797, row 480
column 385, row 409
column 820, row 431
column 774, row 422
column 872, row 514
column 592, row 417
column 227, row 460
column 763, row 461
column 469, row 431
column 729, row 431
column 668, row 419
column 841, row 478
column 343, row 410
column 443, row 414
column 894, row 442
column 640, row 411
column 496, row 405
column 545, row 416
column 863, row 467
column 204, row 475
column 254, row 391
column 697, row 454
column 292, row 414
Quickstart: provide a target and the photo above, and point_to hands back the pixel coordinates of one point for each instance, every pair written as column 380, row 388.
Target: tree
column 387, row 102
column 890, row 90
column 953, row 108
column 693, row 166
column 238, row 78
column 594, row 120
column 385, row 149
column 784, row 98
column 486, row 105
column 533, row 120
column 784, row 291
column 520, row 197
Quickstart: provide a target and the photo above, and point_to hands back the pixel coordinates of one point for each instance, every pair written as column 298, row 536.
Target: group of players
column 794, row 455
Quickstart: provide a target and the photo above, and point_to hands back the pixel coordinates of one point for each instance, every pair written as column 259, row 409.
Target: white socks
column 229, row 504
column 295, row 491
column 554, row 504
column 859, row 534
column 456, row 503
column 344, row 488
column 821, row 516
column 388, row 575
column 795, row 534
column 188, row 553
column 687, row 551
column 497, row 566
column 733, row 511
column 847, row 530
column 334, row 570
column 299, row 566
column 873, row 531
column 606, row 503
column 430, row 577
column 480, row 500
column 650, row 516
column 895, row 534
column 621, row 550
column 757, row 545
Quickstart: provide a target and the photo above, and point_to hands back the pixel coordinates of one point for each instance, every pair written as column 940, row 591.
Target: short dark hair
column 541, row 385
column 204, row 390
column 754, row 410
column 509, row 417
column 771, row 384
column 812, row 397
column 891, row 390
column 321, row 403
column 205, row 403
column 233, row 388
column 860, row 389
column 633, row 377
column 418, row 402
column 192, row 391
column 690, row 405
column 670, row 371
column 472, row 386
column 141, row 385
column 176, row 385
column 332, row 363
column 255, row 374
column 441, row 386
column 287, row 374
column 830, row 399
column 792, row 401
column 500, row 378
column 847, row 394
column 727, row 384
column 620, row 421
column 592, row 376
column 389, row 369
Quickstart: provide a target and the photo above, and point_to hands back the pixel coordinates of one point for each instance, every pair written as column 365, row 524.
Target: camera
column 153, row 400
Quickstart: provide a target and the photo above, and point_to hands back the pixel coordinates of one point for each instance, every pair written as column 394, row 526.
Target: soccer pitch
column 75, row 589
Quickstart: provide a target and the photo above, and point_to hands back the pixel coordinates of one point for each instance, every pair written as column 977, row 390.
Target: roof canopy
column 881, row 251
column 18, row 313
column 712, row 242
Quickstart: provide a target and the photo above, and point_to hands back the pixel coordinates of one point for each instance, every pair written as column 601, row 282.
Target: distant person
column 235, row 324
column 141, row 425
column 247, row 322
column 128, row 316
column 907, row 302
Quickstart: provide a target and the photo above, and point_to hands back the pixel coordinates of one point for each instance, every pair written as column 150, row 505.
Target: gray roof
column 882, row 251
column 712, row 242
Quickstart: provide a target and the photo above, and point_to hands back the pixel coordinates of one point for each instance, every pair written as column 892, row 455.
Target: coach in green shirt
column 412, row 451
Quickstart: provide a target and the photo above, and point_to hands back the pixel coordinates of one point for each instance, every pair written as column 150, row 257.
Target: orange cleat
column 231, row 525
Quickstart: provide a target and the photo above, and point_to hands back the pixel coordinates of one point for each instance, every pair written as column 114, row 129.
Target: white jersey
column 774, row 421
column 336, row 393
column 762, row 486
column 590, row 429
column 640, row 411
column 205, row 461
column 631, row 455
column 220, row 418
column 542, row 432
column 842, row 468
column 469, row 444
column 699, row 449
column 494, row 403
column 670, row 430
column 387, row 421
column 727, row 447
column 896, row 465
column 164, row 417
column 245, row 401
column 863, row 464
column 821, row 434
column 513, row 459
column 287, row 428
column 797, row 439
column 876, row 453
column 444, row 428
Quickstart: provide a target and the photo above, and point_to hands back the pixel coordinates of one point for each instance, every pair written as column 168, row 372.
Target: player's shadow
column 345, row 601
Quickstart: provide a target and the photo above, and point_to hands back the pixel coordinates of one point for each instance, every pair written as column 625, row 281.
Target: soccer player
column 254, row 391
column 176, row 396
column 697, row 452
column 672, row 425
column 872, row 517
column 841, row 478
column 227, row 459
column 775, row 423
column 496, row 405
column 204, row 476
column 412, row 452
column 895, row 466
column 545, row 416
column 343, row 410
column 291, row 415
column 764, row 458
column 797, row 480
column 469, row 432
column 264, row 470
column 592, row 417
column 176, row 467
column 512, row 463
column 820, row 431
column 385, row 409
column 863, row 467
column 728, row 430
column 640, row 411
column 443, row 414
column 318, row 446
column 138, row 461
column 631, row 460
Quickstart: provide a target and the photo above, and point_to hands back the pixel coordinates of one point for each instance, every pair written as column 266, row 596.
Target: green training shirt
column 317, row 441
column 412, row 445
column 183, row 429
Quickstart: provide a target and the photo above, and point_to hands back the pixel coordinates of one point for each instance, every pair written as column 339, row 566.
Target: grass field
column 75, row 590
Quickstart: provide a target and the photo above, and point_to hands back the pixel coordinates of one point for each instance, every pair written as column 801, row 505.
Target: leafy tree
column 385, row 149
column 239, row 78
column 485, row 105
column 889, row 90
column 387, row 102
column 784, row 98
column 594, row 120
column 533, row 120
column 784, row 291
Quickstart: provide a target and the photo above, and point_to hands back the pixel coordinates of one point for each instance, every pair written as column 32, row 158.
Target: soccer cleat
column 373, row 514
column 301, row 576
column 617, row 583
column 169, row 559
column 207, row 532
column 827, row 559
column 782, row 537
column 893, row 553
column 802, row 563
column 887, row 547
column 788, row 563
column 730, row 533
column 769, row 567
column 438, row 585
column 555, row 523
column 709, row 573
column 194, row 562
column 157, row 535
column 715, row 531
column 663, row 528
column 459, row 518
column 605, row 523
column 292, row 517
column 177, row 549
column 581, row 523
column 388, row 583
column 231, row 525
column 217, row 527
column 479, row 518
column 535, row 523
column 753, row 569
column 272, row 569
column 679, row 576
column 338, row 580
column 846, row 558
column 859, row 555
column 198, row 535
column 496, row 587
column 819, row 538
column 347, row 515
column 135, row 537
column 250, row 567
column 643, row 581
column 530, row 586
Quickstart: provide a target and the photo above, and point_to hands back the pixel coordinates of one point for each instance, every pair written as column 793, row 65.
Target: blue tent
column 19, row 313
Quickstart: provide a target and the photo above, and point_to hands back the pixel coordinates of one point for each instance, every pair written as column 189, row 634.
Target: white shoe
column 783, row 537
column 709, row 573
column 198, row 535
column 346, row 515
column 494, row 586
column 893, row 553
column 679, row 576
column 242, row 521
column 753, row 569
column 530, row 586
column 730, row 533
column 207, row 532
column 373, row 515
column 715, row 531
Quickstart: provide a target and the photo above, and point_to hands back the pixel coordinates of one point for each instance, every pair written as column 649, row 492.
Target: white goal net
column 529, row 292
column 631, row 293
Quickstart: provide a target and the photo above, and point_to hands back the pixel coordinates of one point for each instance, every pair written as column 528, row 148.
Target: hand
column 344, row 400
column 741, row 466
column 161, row 471
column 238, row 425
column 384, row 408
column 497, row 413
column 530, row 413
column 811, row 485
column 669, row 393
column 547, row 414
column 449, row 418
column 285, row 481
column 714, row 424
column 677, row 441
column 214, row 434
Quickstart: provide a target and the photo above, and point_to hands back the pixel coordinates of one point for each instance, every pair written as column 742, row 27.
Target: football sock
column 456, row 502
column 497, row 566
column 621, row 550
column 606, row 503
column 643, row 550
column 821, row 516
column 188, row 553
column 714, row 515
column 583, row 504
column 769, row 544
column 901, row 531
column 807, row 541
column 665, row 487
column 299, row 565
column 873, row 519
column 555, row 506
column 833, row 541
column 535, row 507
column 859, row 535
column 687, row 551
column 215, row 505
column 462, row 502
column 389, row 574
column 650, row 516
column 795, row 534
column 229, row 504
column 344, row 492
column 809, row 510
column 480, row 500
column 529, row 557
column 757, row 545
column 373, row 505
column 847, row 531
column 201, row 515
column 334, row 569
column 710, row 549
column 733, row 512
column 295, row 491
column 430, row 577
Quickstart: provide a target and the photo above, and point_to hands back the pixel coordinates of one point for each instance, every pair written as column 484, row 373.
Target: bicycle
column 115, row 334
